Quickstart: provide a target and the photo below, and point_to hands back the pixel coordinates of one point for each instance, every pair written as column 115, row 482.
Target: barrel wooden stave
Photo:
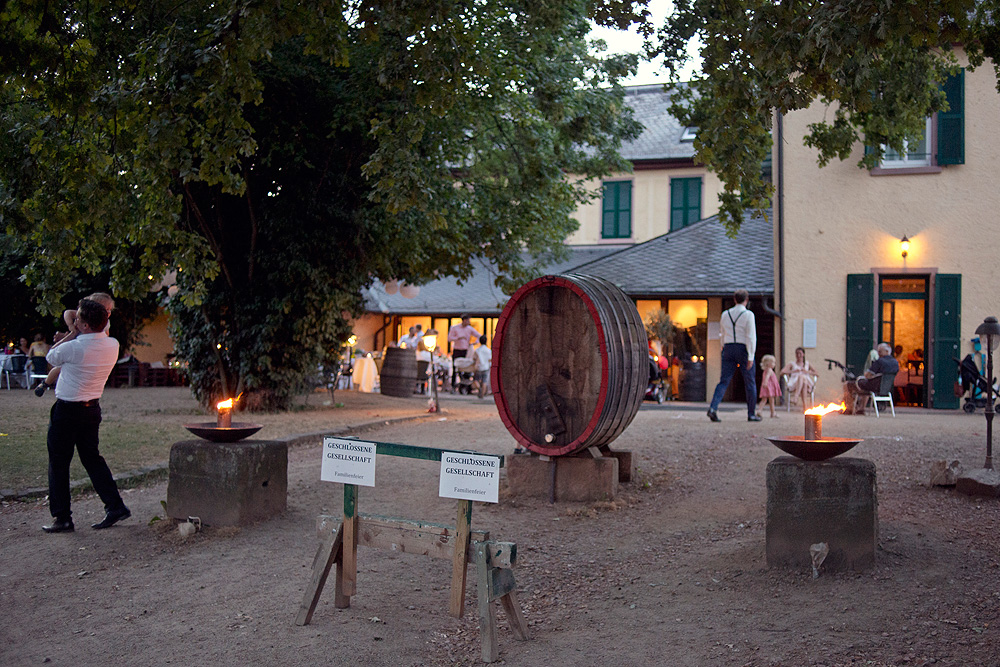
column 629, row 344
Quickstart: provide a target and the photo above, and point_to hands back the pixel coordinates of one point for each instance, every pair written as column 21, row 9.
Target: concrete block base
column 626, row 468
column 575, row 478
column 227, row 484
column 832, row 501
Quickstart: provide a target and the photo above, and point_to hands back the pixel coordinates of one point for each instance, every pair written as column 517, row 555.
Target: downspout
column 780, row 215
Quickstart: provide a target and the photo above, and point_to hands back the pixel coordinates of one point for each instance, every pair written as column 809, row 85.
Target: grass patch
column 127, row 443
column 141, row 424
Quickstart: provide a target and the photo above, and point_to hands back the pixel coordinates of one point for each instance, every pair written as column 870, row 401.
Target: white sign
column 348, row 461
column 809, row 333
column 470, row 477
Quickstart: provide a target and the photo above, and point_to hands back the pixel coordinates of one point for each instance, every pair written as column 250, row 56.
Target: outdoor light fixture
column 430, row 342
column 989, row 334
column 904, row 245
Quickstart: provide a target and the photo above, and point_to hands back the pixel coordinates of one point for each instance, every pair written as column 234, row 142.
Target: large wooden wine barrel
column 570, row 363
column 399, row 372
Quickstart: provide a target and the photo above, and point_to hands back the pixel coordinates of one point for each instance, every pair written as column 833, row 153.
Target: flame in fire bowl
column 813, row 446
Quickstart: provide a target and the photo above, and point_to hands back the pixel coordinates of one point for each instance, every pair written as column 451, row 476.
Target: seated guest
column 872, row 380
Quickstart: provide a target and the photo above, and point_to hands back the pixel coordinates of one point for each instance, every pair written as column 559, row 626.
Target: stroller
column 655, row 390
column 465, row 371
column 974, row 385
column 849, row 375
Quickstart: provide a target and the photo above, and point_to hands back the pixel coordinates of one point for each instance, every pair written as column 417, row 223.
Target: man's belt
column 92, row 403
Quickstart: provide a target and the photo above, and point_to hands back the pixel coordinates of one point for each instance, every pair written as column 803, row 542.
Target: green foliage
column 660, row 327
column 283, row 156
column 878, row 66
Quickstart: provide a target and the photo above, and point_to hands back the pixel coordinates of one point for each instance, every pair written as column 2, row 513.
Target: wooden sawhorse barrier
column 494, row 560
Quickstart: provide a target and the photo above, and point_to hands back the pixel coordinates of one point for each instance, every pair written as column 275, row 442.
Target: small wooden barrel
column 570, row 363
column 693, row 381
column 399, row 372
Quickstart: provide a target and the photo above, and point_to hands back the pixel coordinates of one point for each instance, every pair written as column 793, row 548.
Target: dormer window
column 689, row 134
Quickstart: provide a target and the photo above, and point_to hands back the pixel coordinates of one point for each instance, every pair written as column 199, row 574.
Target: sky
column 631, row 42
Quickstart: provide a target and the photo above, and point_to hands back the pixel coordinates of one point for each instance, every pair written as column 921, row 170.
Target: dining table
column 365, row 376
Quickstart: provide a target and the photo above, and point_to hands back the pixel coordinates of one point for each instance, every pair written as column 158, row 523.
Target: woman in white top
column 801, row 378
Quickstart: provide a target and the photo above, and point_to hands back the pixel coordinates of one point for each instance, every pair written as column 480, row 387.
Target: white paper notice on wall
column 808, row 333
column 470, row 477
column 348, row 461
column 713, row 331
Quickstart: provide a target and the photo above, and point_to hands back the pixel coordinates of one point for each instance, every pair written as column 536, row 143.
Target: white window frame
column 905, row 161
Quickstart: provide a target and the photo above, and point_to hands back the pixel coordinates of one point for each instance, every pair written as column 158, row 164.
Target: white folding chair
column 15, row 365
column 38, row 373
column 788, row 395
column 883, row 395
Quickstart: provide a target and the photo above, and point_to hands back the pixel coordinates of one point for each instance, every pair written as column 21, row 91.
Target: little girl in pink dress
column 770, row 388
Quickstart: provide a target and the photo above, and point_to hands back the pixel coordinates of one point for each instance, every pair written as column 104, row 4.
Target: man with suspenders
column 738, row 330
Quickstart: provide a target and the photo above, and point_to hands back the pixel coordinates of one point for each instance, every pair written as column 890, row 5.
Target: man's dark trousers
column 735, row 355
column 76, row 425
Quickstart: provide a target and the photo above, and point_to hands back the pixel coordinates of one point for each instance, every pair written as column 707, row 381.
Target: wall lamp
column 904, row 245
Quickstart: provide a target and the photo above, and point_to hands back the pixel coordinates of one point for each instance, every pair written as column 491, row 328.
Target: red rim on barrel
column 570, row 363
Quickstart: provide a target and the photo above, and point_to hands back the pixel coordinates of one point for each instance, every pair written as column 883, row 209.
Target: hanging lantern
column 391, row 287
column 408, row 291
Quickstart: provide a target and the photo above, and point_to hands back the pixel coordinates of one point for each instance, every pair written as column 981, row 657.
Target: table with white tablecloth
column 365, row 375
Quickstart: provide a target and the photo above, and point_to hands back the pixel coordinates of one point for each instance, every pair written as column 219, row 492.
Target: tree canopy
column 282, row 156
column 879, row 65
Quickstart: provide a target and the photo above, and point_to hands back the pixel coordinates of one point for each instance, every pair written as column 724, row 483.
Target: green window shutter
column 860, row 319
column 616, row 211
column 947, row 340
column 624, row 209
column 608, row 211
column 693, row 200
column 951, row 123
column 685, row 202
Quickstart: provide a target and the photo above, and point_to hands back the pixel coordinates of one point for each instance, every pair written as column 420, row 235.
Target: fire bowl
column 813, row 450
column 211, row 431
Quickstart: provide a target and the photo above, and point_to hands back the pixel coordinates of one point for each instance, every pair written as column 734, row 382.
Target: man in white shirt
column 459, row 336
column 738, row 330
column 484, row 358
column 86, row 355
column 409, row 340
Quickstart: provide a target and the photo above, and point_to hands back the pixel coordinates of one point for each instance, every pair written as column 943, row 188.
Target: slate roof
column 699, row 260
column 478, row 296
column 661, row 138
column 696, row 260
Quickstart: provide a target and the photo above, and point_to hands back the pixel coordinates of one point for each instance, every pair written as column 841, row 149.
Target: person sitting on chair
column 872, row 380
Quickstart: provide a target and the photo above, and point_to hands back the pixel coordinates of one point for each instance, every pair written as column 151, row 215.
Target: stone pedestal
column 575, row 478
column 227, row 483
column 832, row 501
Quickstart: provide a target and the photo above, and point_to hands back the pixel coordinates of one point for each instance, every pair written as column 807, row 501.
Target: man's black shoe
column 754, row 418
column 40, row 389
column 60, row 526
column 713, row 416
column 112, row 517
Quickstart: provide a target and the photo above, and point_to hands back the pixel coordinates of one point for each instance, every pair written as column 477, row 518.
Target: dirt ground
column 672, row 572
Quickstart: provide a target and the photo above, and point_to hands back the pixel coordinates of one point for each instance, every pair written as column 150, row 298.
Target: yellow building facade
column 843, row 281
